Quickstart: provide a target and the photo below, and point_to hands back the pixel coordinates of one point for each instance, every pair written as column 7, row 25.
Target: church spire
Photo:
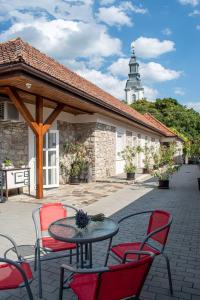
column 133, row 88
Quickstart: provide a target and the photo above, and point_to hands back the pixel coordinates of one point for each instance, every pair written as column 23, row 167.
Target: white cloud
column 66, row 39
column 179, row 91
column 114, row 16
column 150, row 93
column 119, row 15
column 191, row 2
column 195, row 13
column 120, row 67
column 152, row 47
column 167, row 31
column 154, row 72
column 107, row 2
column 106, row 81
column 194, row 105
column 134, row 8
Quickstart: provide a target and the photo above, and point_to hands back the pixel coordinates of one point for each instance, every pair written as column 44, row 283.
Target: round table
column 66, row 230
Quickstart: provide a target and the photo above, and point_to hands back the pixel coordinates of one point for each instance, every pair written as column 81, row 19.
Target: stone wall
column 83, row 133
column 14, row 142
column 105, row 150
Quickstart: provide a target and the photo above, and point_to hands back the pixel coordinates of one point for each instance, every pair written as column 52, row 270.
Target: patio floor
column 183, row 247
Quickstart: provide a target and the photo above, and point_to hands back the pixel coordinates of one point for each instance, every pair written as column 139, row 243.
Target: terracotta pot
column 163, row 184
column 130, row 176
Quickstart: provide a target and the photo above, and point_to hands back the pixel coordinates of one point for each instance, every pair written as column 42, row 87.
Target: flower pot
column 198, row 179
column 130, row 176
column 74, row 180
column 163, row 184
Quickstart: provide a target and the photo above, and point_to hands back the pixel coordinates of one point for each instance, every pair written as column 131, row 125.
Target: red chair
column 43, row 217
column 15, row 274
column 157, row 233
column 114, row 282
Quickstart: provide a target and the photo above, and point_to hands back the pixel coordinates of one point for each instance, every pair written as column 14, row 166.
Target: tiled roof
column 17, row 50
column 166, row 131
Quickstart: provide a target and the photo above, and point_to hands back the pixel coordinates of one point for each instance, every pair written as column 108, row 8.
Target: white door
column 51, row 159
column 120, row 145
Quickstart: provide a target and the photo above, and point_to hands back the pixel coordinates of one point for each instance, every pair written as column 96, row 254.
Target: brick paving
column 183, row 247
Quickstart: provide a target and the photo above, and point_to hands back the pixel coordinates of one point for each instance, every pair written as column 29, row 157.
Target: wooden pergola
column 39, row 126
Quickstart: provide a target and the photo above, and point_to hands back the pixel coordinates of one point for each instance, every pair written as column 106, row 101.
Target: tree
column 184, row 121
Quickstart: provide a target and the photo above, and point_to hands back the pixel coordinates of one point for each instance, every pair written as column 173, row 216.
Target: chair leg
column 35, row 259
column 28, row 289
column 39, row 273
column 169, row 273
column 108, row 252
column 70, row 256
column 61, row 284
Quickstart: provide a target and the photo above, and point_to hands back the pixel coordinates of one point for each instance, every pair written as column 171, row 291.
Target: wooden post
column 39, row 147
column 38, row 126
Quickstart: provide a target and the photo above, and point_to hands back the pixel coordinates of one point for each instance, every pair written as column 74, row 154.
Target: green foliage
column 7, row 162
column 78, row 157
column 148, row 155
column 128, row 154
column 165, row 161
column 184, row 121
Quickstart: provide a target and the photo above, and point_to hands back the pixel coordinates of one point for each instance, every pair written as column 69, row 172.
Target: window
column 12, row 112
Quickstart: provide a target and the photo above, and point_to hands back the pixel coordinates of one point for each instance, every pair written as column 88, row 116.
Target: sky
column 94, row 39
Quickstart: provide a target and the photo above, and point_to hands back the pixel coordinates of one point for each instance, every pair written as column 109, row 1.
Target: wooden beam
column 39, row 110
column 39, row 147
column 52, row 117
column 39, row 163
column 19, row 104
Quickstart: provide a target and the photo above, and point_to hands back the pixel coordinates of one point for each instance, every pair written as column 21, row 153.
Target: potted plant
column 7, row 163
column 128, row 154
column 78, row 161
column 74, row 173
column 147, row 159
column 163, row 174
column 167, row 167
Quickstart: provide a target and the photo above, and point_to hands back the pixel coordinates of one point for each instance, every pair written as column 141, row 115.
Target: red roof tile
column 17, row 50
column 166, row 131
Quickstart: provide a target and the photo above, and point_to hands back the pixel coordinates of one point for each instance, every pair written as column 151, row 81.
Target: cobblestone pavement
column 183, row 247
column 80, row 195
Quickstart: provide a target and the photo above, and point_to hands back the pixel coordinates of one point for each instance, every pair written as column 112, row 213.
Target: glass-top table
column 66, row 230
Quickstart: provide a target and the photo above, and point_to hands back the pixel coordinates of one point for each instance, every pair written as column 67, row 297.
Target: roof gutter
column 23, row 67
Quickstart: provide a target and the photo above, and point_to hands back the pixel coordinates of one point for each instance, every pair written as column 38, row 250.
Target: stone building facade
column 14, row 142
column 103, row 138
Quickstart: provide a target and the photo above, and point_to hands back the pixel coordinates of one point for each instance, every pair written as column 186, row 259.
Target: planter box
column 130, row 176
column 146, row 171
column 74, row 180
column 163, row 184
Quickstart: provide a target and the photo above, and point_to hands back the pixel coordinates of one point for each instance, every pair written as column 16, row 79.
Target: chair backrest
column 123, row 281
column 159, row 219
column 49, row 213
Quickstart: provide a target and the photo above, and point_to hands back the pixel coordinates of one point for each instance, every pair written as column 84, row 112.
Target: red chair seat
column 55, row 245
column 10, row 276
column 84, row 286
column 119, row 250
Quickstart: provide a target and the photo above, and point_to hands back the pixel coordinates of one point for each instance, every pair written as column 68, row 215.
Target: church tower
column 134, row 91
